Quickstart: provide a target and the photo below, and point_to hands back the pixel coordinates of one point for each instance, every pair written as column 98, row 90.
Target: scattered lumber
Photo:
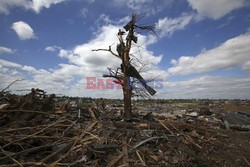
column 34, row 135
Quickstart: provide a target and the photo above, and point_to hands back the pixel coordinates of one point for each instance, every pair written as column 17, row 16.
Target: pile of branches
column 37, row 138
column 37, row 99
column 34, row 134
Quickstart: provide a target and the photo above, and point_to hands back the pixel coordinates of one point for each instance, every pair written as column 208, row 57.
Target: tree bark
column 127, row 92
column 127, row 89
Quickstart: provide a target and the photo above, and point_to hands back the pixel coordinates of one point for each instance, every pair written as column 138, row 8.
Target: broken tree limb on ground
column 45, row 138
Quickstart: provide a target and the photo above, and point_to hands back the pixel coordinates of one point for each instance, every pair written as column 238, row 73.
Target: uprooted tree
column 126, row 71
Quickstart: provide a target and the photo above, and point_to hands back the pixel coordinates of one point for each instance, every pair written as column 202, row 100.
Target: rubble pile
column 34, row 133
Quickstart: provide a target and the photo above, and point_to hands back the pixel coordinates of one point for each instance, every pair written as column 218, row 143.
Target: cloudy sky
column 202, row 49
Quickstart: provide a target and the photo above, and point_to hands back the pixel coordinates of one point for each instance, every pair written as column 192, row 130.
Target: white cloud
column 82, row 55
column 215, row 9
column 23, row 30
column 147, row 7
column 29, row 69
column 57, row 80
column 83, row 12
column 234, row 52
column 61, row 80
column 226, row 23
column 6, row 50
column 39, row 4
column 246, row 66
column 104, row 20
column 35, row 5
column 70, row 79
column 6, row 63
column 168, row 26
column 52, row 48
column 215, row 87
column 90, row 1
column 6, row 5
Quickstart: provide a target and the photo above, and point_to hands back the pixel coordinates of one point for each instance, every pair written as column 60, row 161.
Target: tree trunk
column 127, row 92
column 127, row 89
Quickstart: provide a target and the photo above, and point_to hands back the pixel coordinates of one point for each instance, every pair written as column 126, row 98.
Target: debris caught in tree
column 127, row 70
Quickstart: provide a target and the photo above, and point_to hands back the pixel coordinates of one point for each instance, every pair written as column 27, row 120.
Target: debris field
column 35, row 131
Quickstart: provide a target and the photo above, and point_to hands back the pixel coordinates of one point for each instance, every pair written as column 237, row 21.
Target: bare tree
column 127, row 71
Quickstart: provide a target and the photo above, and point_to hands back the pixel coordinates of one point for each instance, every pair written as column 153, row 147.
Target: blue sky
column 202, row 49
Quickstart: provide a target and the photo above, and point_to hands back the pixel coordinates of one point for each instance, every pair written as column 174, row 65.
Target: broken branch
column 108, row 50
